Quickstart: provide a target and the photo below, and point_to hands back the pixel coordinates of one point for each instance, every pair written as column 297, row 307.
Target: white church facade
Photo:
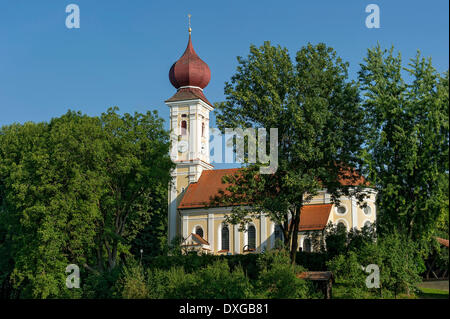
column 195, row 181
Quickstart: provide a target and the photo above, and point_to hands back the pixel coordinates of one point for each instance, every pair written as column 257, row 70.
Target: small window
column 367, row 210
column 203, row 129
column 307, row 245
column 183, row 127
column 251, row 233
column 199, row 231
column 225, row 238
column 367, row 224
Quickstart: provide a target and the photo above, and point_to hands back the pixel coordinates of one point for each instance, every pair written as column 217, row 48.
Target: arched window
column 307, row 245
column 251, row 233
column 203, row 129
column 278, row 233
column 341, row 227
column 367, row 224
column 225, row 238
column 199, row 231
column 183, row 127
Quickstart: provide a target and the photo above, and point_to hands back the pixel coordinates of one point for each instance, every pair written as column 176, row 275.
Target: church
column 195, row 181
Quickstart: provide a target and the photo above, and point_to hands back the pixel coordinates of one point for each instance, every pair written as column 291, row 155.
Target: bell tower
column 189, row 125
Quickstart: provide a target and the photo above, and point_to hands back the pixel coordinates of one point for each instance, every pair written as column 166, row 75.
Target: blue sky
column 122, row 53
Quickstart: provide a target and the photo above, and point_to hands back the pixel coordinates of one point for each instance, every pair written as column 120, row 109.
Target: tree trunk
column 296, row 221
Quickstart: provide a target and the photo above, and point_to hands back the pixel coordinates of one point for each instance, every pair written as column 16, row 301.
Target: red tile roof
column 314, row 217
column 351, row 178
column 200, row 239
column 186, row 94
column 201, row 193
column 210, row 182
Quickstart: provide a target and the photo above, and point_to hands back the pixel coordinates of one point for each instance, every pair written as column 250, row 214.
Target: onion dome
column 190, row 70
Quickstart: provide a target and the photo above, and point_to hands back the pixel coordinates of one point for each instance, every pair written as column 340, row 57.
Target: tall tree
column 76, row 190
column 408, row 141
column 319, row 120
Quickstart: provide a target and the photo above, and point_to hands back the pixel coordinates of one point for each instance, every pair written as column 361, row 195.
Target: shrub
column 315, row 261
column 401, row 264
column 217, row 281
column 397, row 258
column 175, row 284
column 349, row 272
column 278, row 277
column 132, row 283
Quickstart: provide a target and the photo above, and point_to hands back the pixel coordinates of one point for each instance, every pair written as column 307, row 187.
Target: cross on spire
column 189, row 18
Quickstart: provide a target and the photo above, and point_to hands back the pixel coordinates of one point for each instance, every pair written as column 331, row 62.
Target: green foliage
column 218, row 281
column 396, row 256
column 348, row 271
column 315, row 261
column 407, row 141
column 401, row 263
column 339, row 241
column 215, row 277
column 132, row 282
column 77, row 190
column 100, row 285
column 320, row 131
column 278, row 278
column 214, row 281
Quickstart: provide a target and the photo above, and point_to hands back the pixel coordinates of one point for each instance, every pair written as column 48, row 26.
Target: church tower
column 189, row 125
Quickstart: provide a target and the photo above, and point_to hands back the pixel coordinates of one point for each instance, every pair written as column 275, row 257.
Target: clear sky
column 123, row 51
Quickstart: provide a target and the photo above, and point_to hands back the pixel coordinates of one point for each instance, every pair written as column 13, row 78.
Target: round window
column 341, row 210
column 367, row 210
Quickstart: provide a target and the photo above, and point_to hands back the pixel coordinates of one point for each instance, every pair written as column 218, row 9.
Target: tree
column 408, row 141
column 319, row 120
column 278, row 279
column 396, row 256
column 77, row 190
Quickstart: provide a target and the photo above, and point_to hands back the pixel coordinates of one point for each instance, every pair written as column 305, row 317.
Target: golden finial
column 189, row 17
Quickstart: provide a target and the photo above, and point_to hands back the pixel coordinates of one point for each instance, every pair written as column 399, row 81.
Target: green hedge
column 194, row 262
column 214, row 277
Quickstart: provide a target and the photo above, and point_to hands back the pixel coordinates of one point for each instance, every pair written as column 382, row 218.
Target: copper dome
column 190, row 70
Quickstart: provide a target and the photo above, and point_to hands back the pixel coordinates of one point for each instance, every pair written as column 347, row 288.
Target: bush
column 401, row 264
column 278, row 277
column 215, row 281
column 132, row 283
column 315, row 261
column 397, row 258
column 349, row 272
column 218, row 281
